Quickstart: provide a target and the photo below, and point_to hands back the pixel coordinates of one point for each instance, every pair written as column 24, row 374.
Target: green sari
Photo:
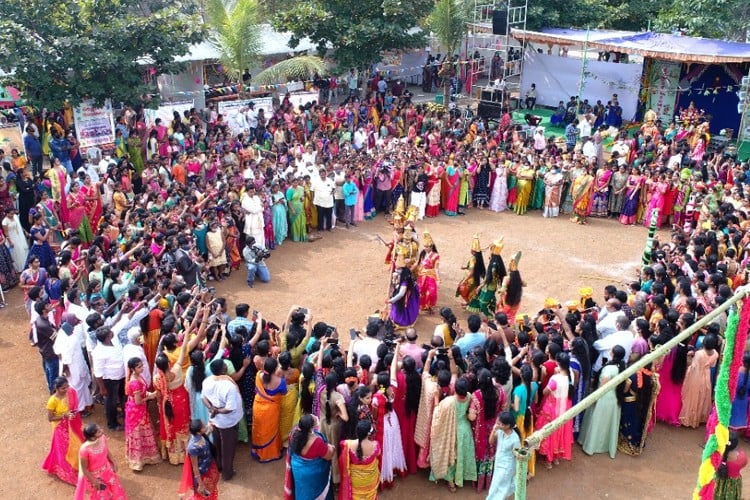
column 297, row 218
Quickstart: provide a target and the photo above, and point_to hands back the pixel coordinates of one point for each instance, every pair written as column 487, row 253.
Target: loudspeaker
column 499, row 22
column 488, row 109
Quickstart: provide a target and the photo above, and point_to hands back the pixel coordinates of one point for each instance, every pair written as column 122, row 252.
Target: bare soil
column 341, row 279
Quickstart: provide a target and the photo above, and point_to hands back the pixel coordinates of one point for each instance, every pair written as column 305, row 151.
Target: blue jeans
column 259, row 269
column 51, row 368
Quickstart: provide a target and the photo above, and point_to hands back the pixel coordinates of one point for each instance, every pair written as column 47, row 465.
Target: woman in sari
column 481, row 192
column 557, row 400
column 474, row 272
column 429, row 274
column 499, row 194
column 486, row 403
column 308, row 463
column 524, row 397
column 92, row 200
column 48, row 209
column 360, row 465
column 333, row 416
column 174, row 406
column 15, row 239
column 538, row 192
column 452, row 455
column 8, row 275
column 581, row 194
column 278, row 212
column 295, row 195
column 97, row 472
column 289, row 400
column 451, row 189
column 618, row 187
column 657, row 201
column 553, row 183
column 632, row 197
column 525, row 181
column 200, row 475
column 311, row 213
column 600, row 201
column 77, row 218
column 58, row 178
column 434, row 173
column 67, row 436
column 270, row 387
column 140, row 442
column 580, row 370
column 485, row 301
column 638, row 410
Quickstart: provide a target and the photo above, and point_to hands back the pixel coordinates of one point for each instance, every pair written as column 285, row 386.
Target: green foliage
column 359, row 31
column 234, row 32
column 725, row 19
column 60, row 50
column 299, row 68
column 447, row 22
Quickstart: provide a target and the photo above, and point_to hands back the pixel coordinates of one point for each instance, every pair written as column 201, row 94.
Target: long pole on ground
column 581, row 82
column 532, row 442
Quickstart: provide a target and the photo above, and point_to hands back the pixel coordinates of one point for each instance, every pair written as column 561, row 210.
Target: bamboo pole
column 532, row 442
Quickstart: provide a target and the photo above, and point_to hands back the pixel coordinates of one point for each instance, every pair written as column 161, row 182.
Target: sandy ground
column 342, row 279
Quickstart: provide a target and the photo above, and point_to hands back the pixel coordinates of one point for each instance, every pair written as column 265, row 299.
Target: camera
column 260, row 253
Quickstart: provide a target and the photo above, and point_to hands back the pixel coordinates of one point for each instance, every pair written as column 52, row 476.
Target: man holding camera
column 254, row 261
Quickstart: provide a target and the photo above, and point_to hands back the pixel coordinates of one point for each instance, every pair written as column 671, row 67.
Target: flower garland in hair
column 726, row 385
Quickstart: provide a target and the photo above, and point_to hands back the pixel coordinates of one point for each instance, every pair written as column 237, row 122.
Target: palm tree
column 235, row 32
column 448, row 22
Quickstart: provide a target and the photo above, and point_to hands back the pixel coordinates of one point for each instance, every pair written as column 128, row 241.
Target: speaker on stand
column 499, row 22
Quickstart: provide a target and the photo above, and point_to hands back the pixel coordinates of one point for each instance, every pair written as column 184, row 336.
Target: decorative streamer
column 646, row 260
column 726, row 386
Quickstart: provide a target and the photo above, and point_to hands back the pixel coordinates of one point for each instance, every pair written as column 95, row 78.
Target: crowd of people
column 115, row 256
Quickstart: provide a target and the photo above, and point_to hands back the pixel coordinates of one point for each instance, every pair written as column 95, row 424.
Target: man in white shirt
column 252, row 118
column 622, row 150
column 68, row 345
column 253, row 208
column 359, row 139
column 622, row 337
column 584, row 127
column 222, row 398
column 608, row 318
column 109, row 371
column 134, row 349
column 369, row 344
column 589, row 149
column 323, row 189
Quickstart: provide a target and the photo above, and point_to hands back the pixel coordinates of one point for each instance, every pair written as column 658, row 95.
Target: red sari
column 93, row 204
column 174, row 432
column 451, row 190
column 67, row 436
column 484, row 452
column 408, row 422
column 427, row 281
column 433, row 192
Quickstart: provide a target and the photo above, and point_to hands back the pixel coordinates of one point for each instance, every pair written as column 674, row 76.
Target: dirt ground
column 341, row 279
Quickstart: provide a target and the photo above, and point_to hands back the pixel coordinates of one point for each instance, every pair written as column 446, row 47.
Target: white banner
column 94, row 126
column 663, row 83
column 558, row 78
column 166, row 113
column 231, row 109
column 302, row 98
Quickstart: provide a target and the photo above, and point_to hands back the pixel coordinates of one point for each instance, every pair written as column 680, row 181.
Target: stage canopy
column 647, row 44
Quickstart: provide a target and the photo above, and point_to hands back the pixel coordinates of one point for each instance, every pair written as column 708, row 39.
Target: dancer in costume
column 484, row 301
column 404, row 300
column 429, row 277
column 475, row 270
column 511, row 289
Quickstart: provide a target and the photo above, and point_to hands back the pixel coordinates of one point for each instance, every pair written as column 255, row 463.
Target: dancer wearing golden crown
column 484, row 301
column 511, row 289
column 429, row 274
column 475, row 271
column 404, row 300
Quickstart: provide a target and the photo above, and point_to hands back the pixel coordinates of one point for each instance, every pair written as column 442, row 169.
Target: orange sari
column 266, row 420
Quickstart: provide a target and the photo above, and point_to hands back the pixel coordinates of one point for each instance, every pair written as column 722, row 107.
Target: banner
column 558, row 78
column 166, row 113
column 11, row 138
column 302, row 98
column 94, row 126
column 663, row 80
column 230, row 111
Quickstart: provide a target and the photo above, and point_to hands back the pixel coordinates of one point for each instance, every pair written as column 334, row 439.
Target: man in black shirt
column 186, row 266
column 45, row 333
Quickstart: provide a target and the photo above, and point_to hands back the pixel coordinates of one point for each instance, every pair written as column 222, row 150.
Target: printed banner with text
column 94, row 126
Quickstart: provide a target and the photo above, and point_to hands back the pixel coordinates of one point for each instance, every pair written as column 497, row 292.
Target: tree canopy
column 71, row 50
column 359, row 31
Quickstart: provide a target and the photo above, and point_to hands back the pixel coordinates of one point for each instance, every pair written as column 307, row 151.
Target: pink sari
column 62, row 459
column 99, row 465
column 76, row 209
column 140, row 442
column 93, row 206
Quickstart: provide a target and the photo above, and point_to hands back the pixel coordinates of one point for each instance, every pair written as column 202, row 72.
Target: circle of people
column 114, row 255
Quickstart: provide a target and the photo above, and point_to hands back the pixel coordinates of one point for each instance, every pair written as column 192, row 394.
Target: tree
column 447, row 22
column 71, row 50
column 234, row 30
column 359, row 31
column 724, row 19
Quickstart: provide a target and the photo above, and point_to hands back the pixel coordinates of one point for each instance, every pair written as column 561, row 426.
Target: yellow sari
column 359, row 478
column 289, row 406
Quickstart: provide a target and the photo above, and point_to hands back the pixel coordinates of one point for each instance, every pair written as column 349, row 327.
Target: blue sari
column 307, row 478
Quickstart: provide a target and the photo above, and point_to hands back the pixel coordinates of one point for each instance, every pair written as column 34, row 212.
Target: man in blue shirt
column 34, row 150
column 61, row 150
column 474, row 338
column 571, row 135
column 350, row 192
column 242, row 311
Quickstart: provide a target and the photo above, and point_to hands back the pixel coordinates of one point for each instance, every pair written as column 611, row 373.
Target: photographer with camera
column 254, row 261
